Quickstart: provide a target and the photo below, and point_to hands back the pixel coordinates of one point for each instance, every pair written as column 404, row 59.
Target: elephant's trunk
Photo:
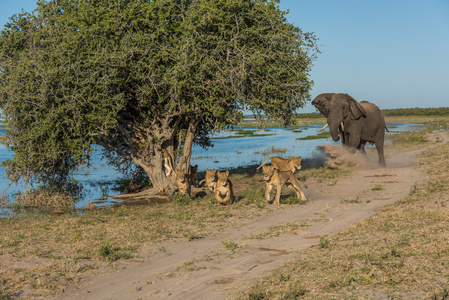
column 333, row 128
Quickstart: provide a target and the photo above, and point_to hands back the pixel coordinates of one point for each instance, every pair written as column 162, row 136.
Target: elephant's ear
column 322, row 101
column 357, row 111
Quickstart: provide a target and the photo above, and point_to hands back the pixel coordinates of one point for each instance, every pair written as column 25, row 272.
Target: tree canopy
column 140, row 77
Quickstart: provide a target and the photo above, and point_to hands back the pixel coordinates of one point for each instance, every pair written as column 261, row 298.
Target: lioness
column 210, row 179
column 223, row 188
column 282, row 164
column 183, row 182
column 279, row 178
column 168, row 162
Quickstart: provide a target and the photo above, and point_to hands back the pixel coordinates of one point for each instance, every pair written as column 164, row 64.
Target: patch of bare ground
column 198, row 249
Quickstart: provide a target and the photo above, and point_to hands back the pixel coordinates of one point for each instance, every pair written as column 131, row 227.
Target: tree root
column 152, row 193
column 148, row 193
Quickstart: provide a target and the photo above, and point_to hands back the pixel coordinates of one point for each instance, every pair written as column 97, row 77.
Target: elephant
column 356, row 122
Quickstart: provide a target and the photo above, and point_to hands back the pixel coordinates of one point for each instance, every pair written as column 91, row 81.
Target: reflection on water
column 98, row 179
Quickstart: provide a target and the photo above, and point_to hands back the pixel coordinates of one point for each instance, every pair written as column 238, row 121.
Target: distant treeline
column 439, row 111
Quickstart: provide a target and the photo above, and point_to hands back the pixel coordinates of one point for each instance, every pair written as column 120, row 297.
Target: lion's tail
column 264, row 162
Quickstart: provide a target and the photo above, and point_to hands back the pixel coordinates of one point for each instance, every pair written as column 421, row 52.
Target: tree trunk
column 161, row 183
column 187, row 150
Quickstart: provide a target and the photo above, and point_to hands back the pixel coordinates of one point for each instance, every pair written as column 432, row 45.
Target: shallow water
column 245, row 151
column 98, row 179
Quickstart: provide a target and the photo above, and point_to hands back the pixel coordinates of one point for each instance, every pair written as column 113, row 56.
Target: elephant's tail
column 387, row 129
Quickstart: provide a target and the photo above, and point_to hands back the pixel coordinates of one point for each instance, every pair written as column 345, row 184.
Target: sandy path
column 205, row 269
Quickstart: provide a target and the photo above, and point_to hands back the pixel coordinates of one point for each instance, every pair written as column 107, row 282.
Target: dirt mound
column 339, row 157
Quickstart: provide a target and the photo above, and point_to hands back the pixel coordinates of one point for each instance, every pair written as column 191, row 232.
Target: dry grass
column 44, row 201
column 401, row 253
column 42, row 253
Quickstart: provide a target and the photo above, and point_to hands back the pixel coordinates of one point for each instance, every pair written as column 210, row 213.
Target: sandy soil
column 205, row 269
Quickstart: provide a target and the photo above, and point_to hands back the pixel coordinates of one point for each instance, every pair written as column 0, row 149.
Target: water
column 245, row 151
column 98, row 179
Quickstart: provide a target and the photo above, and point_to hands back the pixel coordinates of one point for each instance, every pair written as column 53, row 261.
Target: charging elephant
column 356, row 122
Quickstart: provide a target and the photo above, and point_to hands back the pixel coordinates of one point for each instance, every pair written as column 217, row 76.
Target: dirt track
column 205, row 269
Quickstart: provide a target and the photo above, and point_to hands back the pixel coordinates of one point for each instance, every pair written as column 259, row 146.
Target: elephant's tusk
column 324, row 127
column 342, row 127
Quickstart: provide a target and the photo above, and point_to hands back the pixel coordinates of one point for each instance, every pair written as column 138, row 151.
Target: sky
column 394, row 53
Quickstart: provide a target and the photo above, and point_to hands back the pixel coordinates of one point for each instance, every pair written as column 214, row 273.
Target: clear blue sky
column 394, row 53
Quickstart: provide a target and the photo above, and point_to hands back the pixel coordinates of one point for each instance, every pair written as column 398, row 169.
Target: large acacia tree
column 140, row 76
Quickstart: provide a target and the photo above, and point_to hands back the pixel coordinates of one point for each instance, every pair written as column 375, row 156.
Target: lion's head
column 294, row 163
column 223, row 177
column 211, row 175
column 181, row 175
column 268, row 172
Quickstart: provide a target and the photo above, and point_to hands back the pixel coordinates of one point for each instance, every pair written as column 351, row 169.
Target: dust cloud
column 338, row 157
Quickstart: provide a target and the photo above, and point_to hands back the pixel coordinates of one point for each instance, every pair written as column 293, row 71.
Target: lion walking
column 283, row 164
column 276, row 178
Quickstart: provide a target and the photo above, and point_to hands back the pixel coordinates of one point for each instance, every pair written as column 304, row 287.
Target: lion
column 278, row 178
column 168, row 162
column 223, row 188
column 282, row 164
column 210, row 179
column 183, row 182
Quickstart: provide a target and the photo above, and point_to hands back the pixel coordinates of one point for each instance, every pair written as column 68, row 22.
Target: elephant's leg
column 380, row 151
column 353, row 143
column 361, row 147
column 379, row 141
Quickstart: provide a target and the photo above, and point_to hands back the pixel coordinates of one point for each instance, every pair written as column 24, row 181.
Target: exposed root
column 148, row 193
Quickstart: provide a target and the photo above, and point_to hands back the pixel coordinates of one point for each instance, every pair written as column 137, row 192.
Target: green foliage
column 139, row 76
column 229, row 244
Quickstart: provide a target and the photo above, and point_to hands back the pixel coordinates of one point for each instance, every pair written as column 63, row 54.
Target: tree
column 141, row 78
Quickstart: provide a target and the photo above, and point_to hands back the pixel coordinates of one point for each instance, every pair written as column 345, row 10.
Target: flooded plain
column 231, row 149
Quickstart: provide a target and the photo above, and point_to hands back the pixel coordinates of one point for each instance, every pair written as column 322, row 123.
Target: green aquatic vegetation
column 240, row 133
column 322, row 135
